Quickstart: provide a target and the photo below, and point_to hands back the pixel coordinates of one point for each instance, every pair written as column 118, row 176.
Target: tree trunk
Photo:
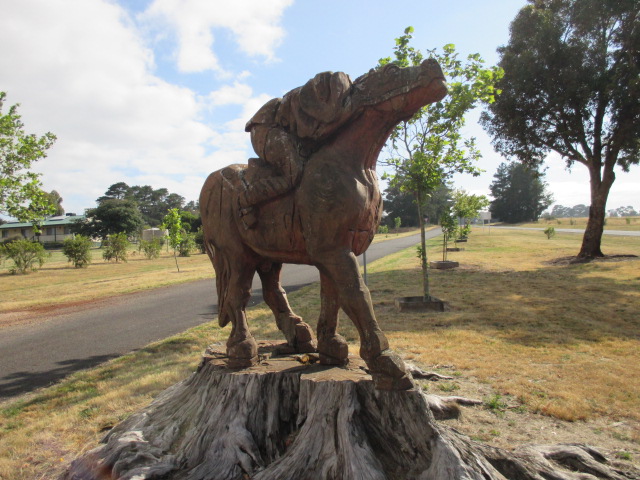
column 592, row 238
column 426, row 294
column 288, row 419
column 176, row 259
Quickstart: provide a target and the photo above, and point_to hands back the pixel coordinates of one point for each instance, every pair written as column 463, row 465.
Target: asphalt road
column 42, row 353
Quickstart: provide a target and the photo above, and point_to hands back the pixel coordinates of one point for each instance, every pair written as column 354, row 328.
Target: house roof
column 48, row 222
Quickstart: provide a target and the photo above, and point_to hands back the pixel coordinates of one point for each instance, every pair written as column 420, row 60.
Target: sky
column 157, row 92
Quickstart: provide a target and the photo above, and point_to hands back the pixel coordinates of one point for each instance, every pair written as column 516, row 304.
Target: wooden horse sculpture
column 325, row 219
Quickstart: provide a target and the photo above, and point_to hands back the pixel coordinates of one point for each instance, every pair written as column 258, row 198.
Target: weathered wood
column 291, row 418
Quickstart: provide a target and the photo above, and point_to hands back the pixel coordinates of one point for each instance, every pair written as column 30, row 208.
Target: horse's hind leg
column 298, row 334
column 387, row 369
column 333, row 348
column 242, row 348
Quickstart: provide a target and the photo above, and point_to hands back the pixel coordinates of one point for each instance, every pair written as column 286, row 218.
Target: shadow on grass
column 553, row 305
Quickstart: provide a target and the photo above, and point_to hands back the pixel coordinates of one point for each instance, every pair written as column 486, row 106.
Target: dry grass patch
column 543, row 334
column 58, row 282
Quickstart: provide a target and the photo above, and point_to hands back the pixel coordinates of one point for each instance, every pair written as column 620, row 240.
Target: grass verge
column 611, row 223
column 558, row 340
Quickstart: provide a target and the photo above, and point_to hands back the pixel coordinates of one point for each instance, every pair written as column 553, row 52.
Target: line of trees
column 402, row 205
column 581, row 210
column 125, row 209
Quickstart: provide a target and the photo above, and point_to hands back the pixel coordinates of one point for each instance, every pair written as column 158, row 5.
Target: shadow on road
column 22, row 382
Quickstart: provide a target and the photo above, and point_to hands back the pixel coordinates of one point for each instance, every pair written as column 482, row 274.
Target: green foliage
column 383, row 229
column 397, row 221
column 109, row 218
column 151, row 248
column 519, row 193
column 56, row 201
column 151, row 203
column 426, row 150
column 403, row 205
column 78, row 250
column 190, row 221
column 623, row 455
column 549, row 232
column 448, row 387
column 21, row 195
column 571, row 86
column 467, row 207
column 199, row 239
column 496, row 404
column 450, row 230
column 115, row 247
column 26, row 255
column 187, row 245
column 172, row 222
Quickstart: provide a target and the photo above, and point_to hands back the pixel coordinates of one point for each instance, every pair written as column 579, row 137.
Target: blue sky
column 157, row 92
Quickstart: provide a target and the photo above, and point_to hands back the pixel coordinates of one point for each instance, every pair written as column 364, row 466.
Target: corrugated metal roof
column 49, row 222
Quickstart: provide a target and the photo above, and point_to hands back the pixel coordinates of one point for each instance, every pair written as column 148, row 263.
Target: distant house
column 53, row 229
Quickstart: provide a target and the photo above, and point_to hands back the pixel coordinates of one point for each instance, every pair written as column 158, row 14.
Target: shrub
column 78, row 250
column 187, row 244
column 383, row 229
column 151, row 248
column 115, row 247
column 26, row 255
column 549, row 232
column 199, row 239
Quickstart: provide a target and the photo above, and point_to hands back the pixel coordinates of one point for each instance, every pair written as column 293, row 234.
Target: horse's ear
column 322, row 97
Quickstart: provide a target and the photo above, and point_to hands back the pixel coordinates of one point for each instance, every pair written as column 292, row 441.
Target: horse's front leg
column 333, row 348
column 387, row 369
column 242, row 348
column 298, row 334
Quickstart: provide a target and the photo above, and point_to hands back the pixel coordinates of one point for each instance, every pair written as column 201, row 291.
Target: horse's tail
column 214, row 206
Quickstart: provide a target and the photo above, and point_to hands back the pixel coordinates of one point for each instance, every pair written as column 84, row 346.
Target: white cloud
column 254, row 24
column 81, row 70
column 235, row 94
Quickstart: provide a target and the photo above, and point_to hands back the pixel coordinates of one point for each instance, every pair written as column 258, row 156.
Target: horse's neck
column 359, row 142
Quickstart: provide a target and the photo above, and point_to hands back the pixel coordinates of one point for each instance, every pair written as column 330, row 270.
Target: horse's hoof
column 389, row 372
column 242, row 354
column 303, row 333
column 242, row 362
column 388, row 364
column 384, row 382
column 306, row 347
column 333, row 350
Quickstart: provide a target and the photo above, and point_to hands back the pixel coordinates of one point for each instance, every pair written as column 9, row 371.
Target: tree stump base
column 292, row 418
column 418, row 304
